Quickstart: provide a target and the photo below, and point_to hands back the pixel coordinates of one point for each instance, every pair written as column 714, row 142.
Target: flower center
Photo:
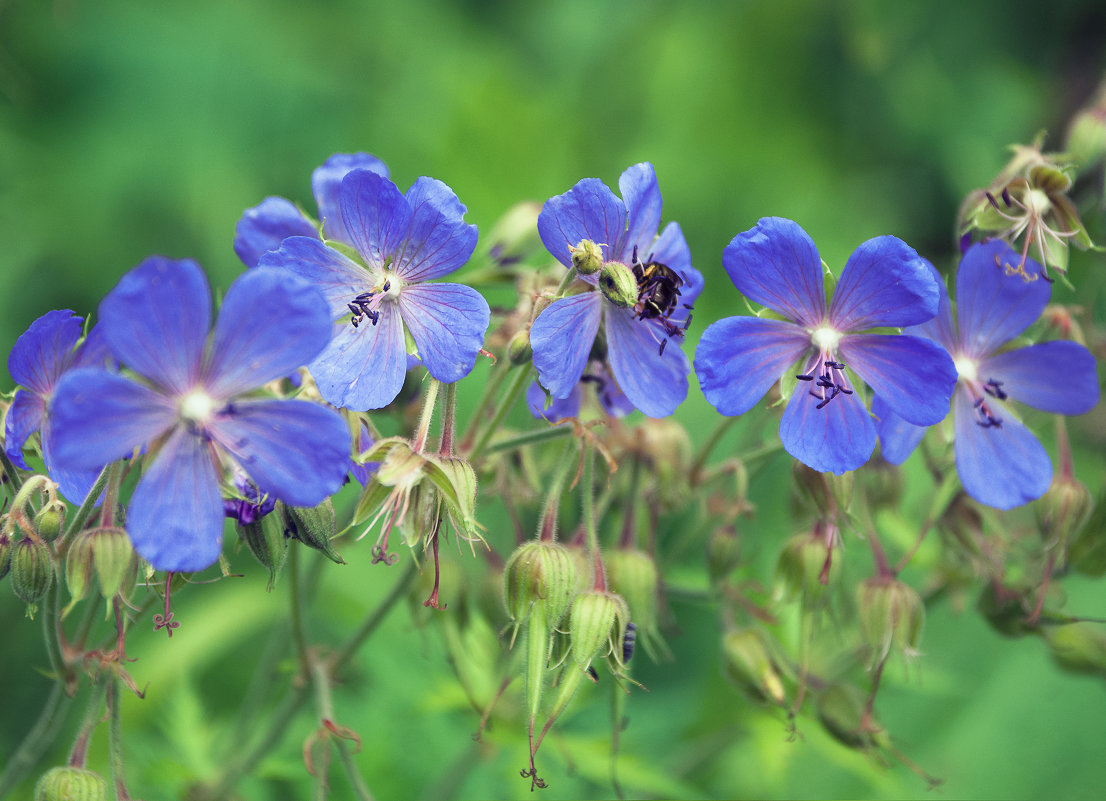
column 367, row 304
column 966, row 369
column 1037, row 203
column 825, row 339
column 829, row 384
column 197, row 407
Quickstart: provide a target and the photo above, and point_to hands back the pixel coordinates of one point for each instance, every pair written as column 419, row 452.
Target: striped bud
column 587, row 257
column 597, row 626
column 892, row 615
column 32, row 572
column 71, row 784
column 539, row 573
column 618, row 284
column 748, row 664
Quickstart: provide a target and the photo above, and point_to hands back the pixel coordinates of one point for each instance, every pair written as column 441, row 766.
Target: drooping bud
column 268, row 543
column 1064, row 509
column 541, row 574
column 841, row 710
column 748, row 664
column 106, row 553
column 597, row 626
column 71, row 784
column 519, row 350
column 633, row 575
column 1087, row 551
column 806, row 567
column 1087, row 136
column 827, row 493
column 5, row 555
column 587, row 257
column 49, row 520
column 618, row 284
column 314, row 526
column 79, row 569
column 892, row 614
column 32, row 572
column 723, row 552
column 1078, row 647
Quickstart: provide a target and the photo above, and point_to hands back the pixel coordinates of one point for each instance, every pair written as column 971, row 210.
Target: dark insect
column 658, row 295
column 628, row 643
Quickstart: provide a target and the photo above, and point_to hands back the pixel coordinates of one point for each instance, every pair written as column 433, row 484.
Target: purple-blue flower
column 611, row 398
column 826, row 424
column 193, row 411
column 49, row 347
column 269, row 223
column 404, row 241
column 648, row 366
column 1000, row 462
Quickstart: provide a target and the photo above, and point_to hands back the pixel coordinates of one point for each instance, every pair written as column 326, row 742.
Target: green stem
column 11, row 471
column 491, row 392
column 76, row 523
column 449, row 420
column 513, row 391
column 296, row 602
column 79, row 753
column 115, row 740
column 356, row 780
column 588, row 488
column 529, row 438
column 708, row 445
column 38, row 739
column 428, row 404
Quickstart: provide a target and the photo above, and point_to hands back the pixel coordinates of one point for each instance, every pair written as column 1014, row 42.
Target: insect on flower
column 658, row 293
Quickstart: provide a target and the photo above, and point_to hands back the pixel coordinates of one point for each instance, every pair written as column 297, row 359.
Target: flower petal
column 642, row 198
column 1057, row 377
column 24, row 418
column 363, row 368
column 337, row 277
column 94, row 351
column 897, row 438
column 885, row 283
column 266, row 225
column 739, row 358
column 44, row 350
column 656, row 383
column 991, row 306
column 777, row 265
column 562, row 338
column 296, row 450
column 270, row 323
column 552, row 409
column 326, row 183
column 589, row 210
column 156, row 321
column 447, row 322
column 97, row 417
column 73, row 484
column 175, row 517
column 914, row 376
column 440, row 241
column 941, row 328
column 375, row 214
column 1001, row 466
column 837, row 438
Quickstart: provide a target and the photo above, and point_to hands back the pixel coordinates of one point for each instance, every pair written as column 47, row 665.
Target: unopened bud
column 542, row 573
column 841, row 710
column 1087, row 136
column 618, row 284
column 1078, row 647
column 587, row 257
column 314, row 526
column 32, row 571
column 723, row 552
column 115, row 560
column 267, row 542
column 891, row 615
column 79, row 569
column 49, row 520
column 633, row 575
column 597, row 626
column 826, row 492
column 5, row 555
column 748, row 664
column 519, row 350
column 71, row 784
column 1064, row 509
column 806, row 568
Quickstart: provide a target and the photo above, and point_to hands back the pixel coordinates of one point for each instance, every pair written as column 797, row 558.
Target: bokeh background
column 128, row 129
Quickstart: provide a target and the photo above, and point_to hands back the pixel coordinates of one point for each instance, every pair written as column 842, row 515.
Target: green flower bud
column 5, row 555
column 891, row 614
column 748, row 664
column 826, row 492
column 32, row 572
column 1064, row 509
column 314, row 526
column 71, row 784
column 268, row 543
column 806, row 567
column 1087, row 136
column 519, row 351
column 115, row 560
column 587, row 258
column 79, row 569
column 597, row 626
column 633, row 575
column 1078, row 647
column 539, row 573
column 49, row 520
column 618, row 284
column 1087, row 551
column 841, row 711
column 723, row 552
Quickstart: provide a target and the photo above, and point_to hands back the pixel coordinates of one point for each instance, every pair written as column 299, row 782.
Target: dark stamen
column 664, row 342
column 994, row 389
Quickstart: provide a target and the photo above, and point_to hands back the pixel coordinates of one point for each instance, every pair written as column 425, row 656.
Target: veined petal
column 297, row 450
column 44, row 350
column 440, row 241
column 656, row 383
column 326, row 183
column 266, row 225
column 837, row 438
column 1001, row 466
column 1057, row 377
column 642, row 198
column 739, row 358
column 589, row 210
column 448, row 323
column 73, row 484
column 562, row 337
column 885, row 283
column 363, row 368
column 23, row 419
column 913, row 375
column 777, row 265
column 897, row 438
column 270, row 323
column 611, row 397
column 94, row 351
column 97, row 417
column 375, row 214
column 941, row 328
column 156, row 321
column 337, row 277
column 992, row 307
column 175, row 517
column 671, row 250
column 557, row 408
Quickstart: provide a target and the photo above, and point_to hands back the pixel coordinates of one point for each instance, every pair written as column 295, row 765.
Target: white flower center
column 197, row 406
column 390, row 286
column 825, row 339
column 966, row 369
column 1037, row 202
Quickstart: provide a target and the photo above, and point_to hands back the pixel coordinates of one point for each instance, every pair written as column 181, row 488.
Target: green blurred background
column 128, row 129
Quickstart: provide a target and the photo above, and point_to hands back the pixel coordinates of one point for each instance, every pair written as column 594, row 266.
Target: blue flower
column 269, row 223
column 1000, row 462
column 651, row 372
column 826, row 424
column 611, row 398
column 404, row 241
column 192, row 413
column 49, row 347
column 248, row 504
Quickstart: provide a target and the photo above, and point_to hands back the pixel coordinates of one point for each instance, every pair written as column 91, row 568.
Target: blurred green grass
column 128, row 129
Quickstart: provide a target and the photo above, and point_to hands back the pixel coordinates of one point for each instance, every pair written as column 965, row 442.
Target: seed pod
column 1078, row 647
column 806, row 568
column 597, row 626
column 618, row 284
column 841, row 711
column 748, row 664
column 314, row 526
column 539, row 573
column 71, row 784
column 32, row 571
column 891, row 615
column 633, row 575
column 519, row 349
column 267, row 542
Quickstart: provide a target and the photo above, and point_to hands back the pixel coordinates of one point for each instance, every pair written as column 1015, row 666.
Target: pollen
column 197, row 406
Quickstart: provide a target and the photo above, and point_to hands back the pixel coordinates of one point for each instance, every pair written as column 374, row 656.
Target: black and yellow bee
column 658, row 295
